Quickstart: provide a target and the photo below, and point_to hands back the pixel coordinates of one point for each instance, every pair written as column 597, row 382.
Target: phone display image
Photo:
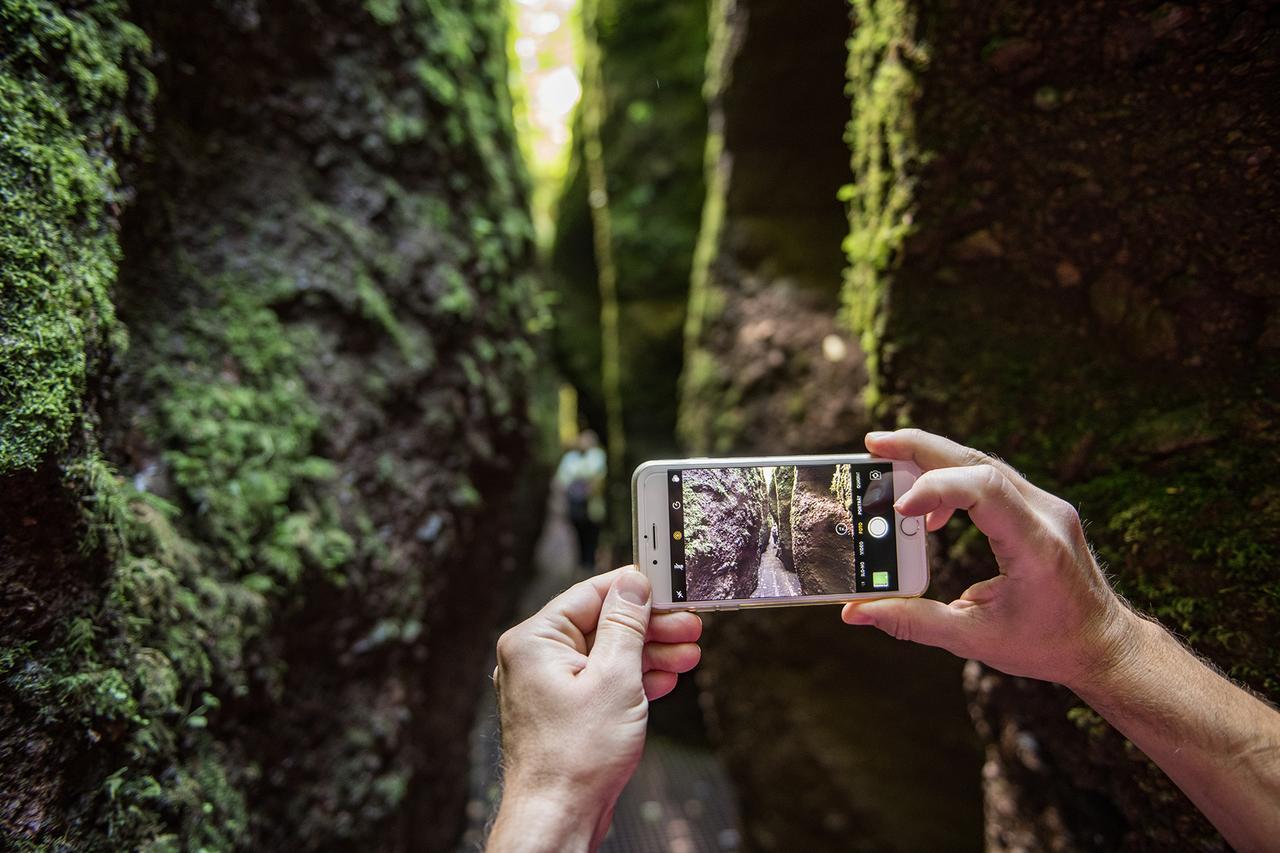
column 783, row 531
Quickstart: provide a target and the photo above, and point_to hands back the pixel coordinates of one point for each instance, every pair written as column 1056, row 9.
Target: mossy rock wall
column 802, row 707
column 573, row 286
column 634, row 189
column 265, row 368
column 1064, row 249
column 765, row 358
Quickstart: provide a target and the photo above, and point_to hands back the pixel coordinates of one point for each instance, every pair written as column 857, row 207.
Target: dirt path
column 774, row 579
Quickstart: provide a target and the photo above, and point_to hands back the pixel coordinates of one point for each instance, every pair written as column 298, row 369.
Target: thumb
column 918, row 620
column 624, row 621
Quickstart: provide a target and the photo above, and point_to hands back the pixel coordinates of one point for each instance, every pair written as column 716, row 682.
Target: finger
column 927, row 450
column 931, row 452
column 659, row 683
column 675, row 627
column 580, row 604
column 997, row 508
column 672, row 657
column 918, row 620
column 624, row 621
column 671, row 627
column 938, row 519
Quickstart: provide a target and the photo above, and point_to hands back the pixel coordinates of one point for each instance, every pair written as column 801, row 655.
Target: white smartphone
column 773, row 531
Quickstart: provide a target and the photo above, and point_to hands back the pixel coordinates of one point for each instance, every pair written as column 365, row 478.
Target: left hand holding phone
column 574, row 683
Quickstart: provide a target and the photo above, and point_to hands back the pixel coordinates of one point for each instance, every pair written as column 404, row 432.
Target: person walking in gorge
column 580, row 478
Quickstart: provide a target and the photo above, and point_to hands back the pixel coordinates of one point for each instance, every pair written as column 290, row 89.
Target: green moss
column 136, row 671
column 142, row 683
column 882, row 140
column 69, row 80
column 385, row 12
column 703, row 415
column 1196, row 540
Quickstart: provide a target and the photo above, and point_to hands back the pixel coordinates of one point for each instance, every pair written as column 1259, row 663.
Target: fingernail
column 633, row 587
column 877, row 435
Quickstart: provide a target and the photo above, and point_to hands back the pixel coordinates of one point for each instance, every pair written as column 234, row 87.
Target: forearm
column 1218, row 743
column 531, row 820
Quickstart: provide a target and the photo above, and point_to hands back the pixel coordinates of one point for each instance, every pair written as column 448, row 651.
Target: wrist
column 546, row 815
column 1113, row 654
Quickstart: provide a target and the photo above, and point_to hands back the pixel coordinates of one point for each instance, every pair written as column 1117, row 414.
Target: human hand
column 574, row 684
column 1048, row 614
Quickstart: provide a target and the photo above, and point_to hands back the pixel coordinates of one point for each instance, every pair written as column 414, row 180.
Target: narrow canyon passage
column 774, row 580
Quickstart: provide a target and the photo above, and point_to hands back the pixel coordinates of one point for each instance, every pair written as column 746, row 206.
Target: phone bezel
column 649, row 516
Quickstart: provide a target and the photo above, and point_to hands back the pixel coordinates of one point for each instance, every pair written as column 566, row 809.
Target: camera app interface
column 782, row 531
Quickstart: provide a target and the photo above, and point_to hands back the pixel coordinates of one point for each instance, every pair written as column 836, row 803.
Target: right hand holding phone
column 1048, row 614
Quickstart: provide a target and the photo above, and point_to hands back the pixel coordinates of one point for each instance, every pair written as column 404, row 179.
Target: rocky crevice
column 726, row 511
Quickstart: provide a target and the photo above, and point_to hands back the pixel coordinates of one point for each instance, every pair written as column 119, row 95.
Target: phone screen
column 777, row 532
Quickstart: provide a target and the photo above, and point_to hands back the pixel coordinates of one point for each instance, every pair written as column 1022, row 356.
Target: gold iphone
column 773, row 531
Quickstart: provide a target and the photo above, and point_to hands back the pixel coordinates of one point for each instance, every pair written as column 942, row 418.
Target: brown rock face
column 835, row 738
column 1137, row 380
column 821, row 555
column 726, row 515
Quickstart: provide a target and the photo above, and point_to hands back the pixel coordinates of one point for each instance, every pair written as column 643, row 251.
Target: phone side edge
column 642, row 469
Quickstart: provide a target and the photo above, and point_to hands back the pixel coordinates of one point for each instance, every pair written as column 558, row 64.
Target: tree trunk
column 1063, row 249
column 251, row 562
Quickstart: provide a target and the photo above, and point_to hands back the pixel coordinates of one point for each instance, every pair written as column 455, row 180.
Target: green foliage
column 70, row 81
column 385, row 12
